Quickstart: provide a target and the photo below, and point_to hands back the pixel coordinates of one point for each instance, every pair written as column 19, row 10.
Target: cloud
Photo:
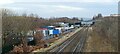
column 15, row 8
column 2, row 2
column 97, row 1
column 84, row 8
column 44, row 8
column 63, row 8
column 9, row 1
column 66, row 1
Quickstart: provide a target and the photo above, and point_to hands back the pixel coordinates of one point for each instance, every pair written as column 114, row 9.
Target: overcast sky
column 59, row 8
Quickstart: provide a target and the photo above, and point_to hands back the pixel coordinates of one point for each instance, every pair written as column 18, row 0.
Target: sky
column 62, row 8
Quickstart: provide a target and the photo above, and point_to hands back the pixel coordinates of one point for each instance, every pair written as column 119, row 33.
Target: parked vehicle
column 78, row 24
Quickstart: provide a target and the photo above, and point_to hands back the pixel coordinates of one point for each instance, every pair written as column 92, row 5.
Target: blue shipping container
column 56, row 31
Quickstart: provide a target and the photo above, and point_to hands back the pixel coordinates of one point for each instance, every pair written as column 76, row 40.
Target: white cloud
column 99, row 1
column 2, row 2
column 45, row 8
column 59, row 8
column 15, row 8
column 66, row 1
column 51, row 8
column 68, row 8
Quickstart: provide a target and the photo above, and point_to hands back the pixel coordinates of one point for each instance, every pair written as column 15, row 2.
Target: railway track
column 73, row 44
column 81, row 43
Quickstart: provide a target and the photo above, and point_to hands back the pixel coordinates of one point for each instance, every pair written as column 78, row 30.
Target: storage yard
column 58, row 42
column 34, row 34
column 46, row 38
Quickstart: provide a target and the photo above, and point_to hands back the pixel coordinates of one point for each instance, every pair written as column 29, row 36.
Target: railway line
column 73, row 44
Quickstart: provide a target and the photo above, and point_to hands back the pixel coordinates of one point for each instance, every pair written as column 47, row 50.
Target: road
column 73, row 44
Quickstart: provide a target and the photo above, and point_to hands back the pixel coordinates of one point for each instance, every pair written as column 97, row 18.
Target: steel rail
column 66, row 45
column 63, row 45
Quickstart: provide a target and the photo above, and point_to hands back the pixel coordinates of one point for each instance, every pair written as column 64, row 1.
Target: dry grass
column 103, row 37
column 96, row 43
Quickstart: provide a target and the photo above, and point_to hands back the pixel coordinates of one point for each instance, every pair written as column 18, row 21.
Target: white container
column 51, row 26
column 50, row 32
column 72, row 26
column 67, row 27
column 44, row 33
column 60, row 29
